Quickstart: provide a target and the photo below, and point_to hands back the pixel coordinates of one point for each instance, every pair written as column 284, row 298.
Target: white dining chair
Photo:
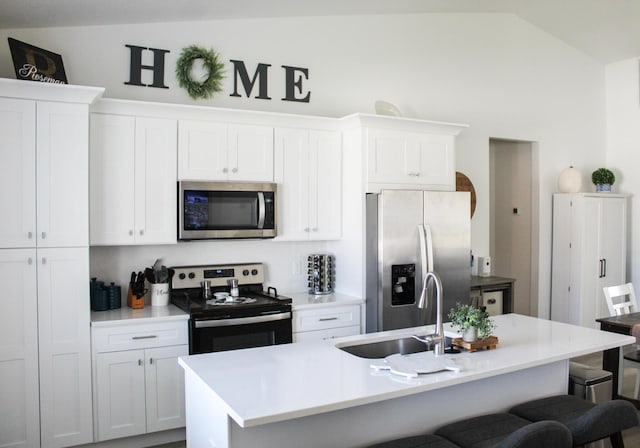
column 621, row 299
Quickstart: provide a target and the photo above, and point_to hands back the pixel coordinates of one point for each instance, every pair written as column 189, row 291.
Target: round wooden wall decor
column 463, row 183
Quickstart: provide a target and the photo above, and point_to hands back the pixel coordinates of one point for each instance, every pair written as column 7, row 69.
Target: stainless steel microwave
column 212, row 210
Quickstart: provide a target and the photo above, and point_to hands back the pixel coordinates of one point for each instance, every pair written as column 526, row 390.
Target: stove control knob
column 254, row 272
column 192, row 275
column 182, row 276
column 245, row 272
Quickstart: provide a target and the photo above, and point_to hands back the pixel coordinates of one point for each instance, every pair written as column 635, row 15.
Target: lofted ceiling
column 607, row 30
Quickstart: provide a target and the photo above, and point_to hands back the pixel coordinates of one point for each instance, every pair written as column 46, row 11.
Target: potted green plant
column 473, row 323
column 603, row 178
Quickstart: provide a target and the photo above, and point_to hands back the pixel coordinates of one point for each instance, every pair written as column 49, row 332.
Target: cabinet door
column 62, row 140
column 202, row 150
column 120, row 394
column 325, row 185
column 64, row 343
column 112, row 181
column 250, row 153
column 155, row 181
column 405, row 158
column 164, row 388
column 19, row 406
column 18, row 173
column 612, row 247
column 291, row 174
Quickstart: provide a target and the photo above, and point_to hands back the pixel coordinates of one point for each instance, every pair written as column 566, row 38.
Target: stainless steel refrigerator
column 409, row 233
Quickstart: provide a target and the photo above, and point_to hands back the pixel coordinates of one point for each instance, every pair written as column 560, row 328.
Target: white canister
column 484, row 266
column 159, row 294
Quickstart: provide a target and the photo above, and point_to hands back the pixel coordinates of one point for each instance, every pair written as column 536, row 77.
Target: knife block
column 134, row 301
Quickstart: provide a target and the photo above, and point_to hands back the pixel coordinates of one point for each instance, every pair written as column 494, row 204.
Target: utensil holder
column 159, row 294
column 320, row 273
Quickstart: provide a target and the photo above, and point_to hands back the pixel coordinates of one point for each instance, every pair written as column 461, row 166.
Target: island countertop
column 271, row 384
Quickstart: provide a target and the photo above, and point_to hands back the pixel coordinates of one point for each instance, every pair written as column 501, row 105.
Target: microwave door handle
column 261, row 210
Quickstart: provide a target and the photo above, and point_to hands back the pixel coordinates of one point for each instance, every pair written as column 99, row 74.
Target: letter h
column 136, row 67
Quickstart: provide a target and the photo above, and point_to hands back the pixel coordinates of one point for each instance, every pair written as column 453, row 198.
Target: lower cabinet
column 140, row 390
column 326, row 322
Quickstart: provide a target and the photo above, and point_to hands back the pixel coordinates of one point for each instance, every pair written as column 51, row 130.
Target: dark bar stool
column 504, row 430
column 587, row 421
column 424, row 441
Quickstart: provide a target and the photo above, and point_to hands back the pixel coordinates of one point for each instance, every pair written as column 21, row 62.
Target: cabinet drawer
column 319, row 335
column 130, row 337
column 323, row 318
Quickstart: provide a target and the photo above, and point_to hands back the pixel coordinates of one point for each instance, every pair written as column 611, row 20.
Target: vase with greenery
column 603, row 178
column 466, row 318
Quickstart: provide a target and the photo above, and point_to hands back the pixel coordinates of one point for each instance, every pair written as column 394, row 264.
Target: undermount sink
column 382, row 349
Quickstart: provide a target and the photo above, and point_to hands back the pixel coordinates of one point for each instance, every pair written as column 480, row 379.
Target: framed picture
column 36, row 64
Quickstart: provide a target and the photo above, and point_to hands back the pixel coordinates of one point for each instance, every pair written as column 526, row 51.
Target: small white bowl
column 221, row 295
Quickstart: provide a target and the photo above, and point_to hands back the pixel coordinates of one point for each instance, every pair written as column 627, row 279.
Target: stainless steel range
column 229, row 308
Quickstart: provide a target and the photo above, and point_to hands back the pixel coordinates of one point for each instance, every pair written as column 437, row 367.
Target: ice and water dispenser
column 403, row 281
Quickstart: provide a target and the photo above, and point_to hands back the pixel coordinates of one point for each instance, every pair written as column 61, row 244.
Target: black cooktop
column 252, row 301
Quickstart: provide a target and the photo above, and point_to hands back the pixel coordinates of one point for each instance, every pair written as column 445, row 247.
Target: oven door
column 216, row 335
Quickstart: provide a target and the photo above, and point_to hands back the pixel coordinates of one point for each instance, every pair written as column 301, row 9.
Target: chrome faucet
column 436, row 338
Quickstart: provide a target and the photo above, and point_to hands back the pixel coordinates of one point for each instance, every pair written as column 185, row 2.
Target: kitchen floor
column 631, row 436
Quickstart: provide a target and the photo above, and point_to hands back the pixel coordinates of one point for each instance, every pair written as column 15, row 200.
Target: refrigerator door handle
column 426, row 248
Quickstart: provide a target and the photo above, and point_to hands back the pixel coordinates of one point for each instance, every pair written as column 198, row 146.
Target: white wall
column 495, row 72
column 623, row 144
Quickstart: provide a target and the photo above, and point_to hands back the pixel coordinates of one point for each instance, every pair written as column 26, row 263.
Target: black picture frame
column 32, row 63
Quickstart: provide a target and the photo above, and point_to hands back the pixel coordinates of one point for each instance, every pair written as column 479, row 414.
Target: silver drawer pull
column 324, row 319
column 151, row 336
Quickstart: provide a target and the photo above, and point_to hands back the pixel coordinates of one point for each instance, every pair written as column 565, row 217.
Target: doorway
column 513, row 218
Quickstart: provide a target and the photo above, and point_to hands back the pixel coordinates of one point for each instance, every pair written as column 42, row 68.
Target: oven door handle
column 208, row 323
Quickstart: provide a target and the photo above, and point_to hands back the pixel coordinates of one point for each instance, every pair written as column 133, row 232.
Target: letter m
column 260, row 76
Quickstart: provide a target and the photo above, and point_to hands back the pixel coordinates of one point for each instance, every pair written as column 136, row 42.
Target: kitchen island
column 316, row 395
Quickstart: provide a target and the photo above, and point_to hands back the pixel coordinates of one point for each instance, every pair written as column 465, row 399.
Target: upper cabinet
column 404, row 153
column 133, row 180
column 308, row 171
column 216, row 151
column 410, row 158
column 55, row 153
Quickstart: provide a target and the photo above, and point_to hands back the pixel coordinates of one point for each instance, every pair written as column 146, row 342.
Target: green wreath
column 210, row 85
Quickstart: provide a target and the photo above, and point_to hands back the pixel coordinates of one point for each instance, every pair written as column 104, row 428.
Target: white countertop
column 282, row 382
column 129, row 316
column 304, row 300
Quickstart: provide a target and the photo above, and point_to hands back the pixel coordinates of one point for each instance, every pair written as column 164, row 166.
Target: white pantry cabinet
column 55, row 153
column 326, row 322
column 308, row 170
column 589, row 253
column 45, row 357
column 139, row 386
column 216, row 151
column 132, row 180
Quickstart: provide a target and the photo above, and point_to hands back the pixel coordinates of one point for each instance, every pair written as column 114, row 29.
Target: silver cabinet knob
column 141, row 232
column 44, row 235
column 29, row 235
column 130, row 232
column 225, row 170
column 234, row 170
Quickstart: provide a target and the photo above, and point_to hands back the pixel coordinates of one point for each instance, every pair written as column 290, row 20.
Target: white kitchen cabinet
column 133, row 180
column 139, row 386
column 308, row 170
column 325, row 322
column 45, row 357
column 411, row 159
column 55, row 153
column 215, row 151
column 589, row 253
column 45, row 347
